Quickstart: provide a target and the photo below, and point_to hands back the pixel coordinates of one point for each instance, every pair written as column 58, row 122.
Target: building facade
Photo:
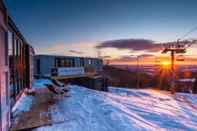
column 43, row 64
column 4, row 72
column 20, row 62
column 16, row 66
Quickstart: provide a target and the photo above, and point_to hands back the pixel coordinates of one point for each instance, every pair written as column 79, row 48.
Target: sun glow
column 165, row 63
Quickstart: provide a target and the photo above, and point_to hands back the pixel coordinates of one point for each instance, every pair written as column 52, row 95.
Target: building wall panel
column 4, row 74
column 47, row 62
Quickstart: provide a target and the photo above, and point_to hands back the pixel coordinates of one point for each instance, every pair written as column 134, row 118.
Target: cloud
column 56, row 48
column 146, row 55
column 83, row 49
column 106, row 57
column 76, row 52
column 132, row 44
column 127, row 58
column 132, row 59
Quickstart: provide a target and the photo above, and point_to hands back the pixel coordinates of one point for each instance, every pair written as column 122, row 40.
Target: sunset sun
column 165, row 63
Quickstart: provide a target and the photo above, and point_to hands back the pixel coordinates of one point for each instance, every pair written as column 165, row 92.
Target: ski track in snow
column 123, row 110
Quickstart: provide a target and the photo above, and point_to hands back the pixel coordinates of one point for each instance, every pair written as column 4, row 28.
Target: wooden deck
column 39, row 114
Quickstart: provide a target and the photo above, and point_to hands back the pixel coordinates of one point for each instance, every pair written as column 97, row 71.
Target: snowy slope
column 118, row 110
column 123, row 110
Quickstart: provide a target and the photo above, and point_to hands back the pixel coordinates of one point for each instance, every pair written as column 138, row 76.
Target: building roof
column 2, row 6
column 13, row 26
column 48, row 55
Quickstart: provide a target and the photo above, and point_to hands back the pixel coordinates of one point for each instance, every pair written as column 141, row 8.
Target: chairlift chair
column 180, row 58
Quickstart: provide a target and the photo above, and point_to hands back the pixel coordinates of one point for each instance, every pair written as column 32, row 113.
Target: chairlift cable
column 187, row 33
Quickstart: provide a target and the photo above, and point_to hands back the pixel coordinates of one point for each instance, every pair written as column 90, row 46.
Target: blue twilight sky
column 57, row 26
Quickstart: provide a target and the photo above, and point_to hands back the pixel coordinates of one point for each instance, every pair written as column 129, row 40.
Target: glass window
column 67, row 62
column 15, row 46
column 3, row 47
column 82, row 63
column 89, row 62
column 7, row 88
column 10, row 45
column 6, row 47
column 38, row 66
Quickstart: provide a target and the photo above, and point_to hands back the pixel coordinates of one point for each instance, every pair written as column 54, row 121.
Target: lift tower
column 178, row 47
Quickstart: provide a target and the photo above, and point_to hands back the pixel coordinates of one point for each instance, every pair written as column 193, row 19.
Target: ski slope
column 122, row 110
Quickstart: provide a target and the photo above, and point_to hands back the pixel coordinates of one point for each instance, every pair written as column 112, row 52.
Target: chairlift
column 180, row 58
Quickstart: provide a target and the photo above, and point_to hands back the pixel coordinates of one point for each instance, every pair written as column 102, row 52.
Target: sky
column 83, row 27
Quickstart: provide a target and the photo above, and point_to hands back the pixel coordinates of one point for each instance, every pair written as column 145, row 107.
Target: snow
column 122, row 109
column 22, row 105
column 39, row 83
column 191, row 97
column 25, row 102
column 187, row 80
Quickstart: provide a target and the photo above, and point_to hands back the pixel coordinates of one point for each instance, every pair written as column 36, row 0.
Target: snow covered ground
column 121, row 110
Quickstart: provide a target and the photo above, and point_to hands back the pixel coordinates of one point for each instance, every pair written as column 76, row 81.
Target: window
column 10, row 45
column 3, row 47
column 10, row 55
column 38, row 66
column 82, row 63
column 89, row 61
column 64, row 62
column 6, row 47
column 18, row 66
column 7, row 88
column 15, row 47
